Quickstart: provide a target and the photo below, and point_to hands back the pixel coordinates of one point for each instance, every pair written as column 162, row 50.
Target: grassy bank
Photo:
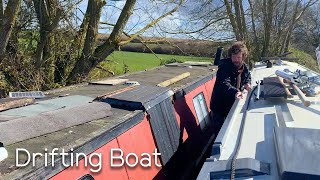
column 120, row 62
column 305, row 59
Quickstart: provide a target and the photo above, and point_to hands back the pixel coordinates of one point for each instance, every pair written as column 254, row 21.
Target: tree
column 7, row 21
column 267, row 9
column 265, row 26
column 306, row 35
column 299, row 9
column 237, row 18
column 92, row 55
column 48, row 13
column 49, row 48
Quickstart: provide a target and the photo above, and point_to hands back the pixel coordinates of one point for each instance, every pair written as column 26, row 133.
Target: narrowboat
column 152, row 124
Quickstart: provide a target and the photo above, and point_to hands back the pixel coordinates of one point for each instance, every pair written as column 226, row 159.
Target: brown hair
column 237, row 47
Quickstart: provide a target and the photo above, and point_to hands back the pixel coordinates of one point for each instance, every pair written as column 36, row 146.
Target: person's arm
column 239, row 95
column 247, row 81
column 247, row 86
column 224, row 75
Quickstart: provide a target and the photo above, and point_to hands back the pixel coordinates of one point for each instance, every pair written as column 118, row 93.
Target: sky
column 147, row 10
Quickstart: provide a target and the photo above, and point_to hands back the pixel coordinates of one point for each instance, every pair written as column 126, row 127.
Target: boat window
column 201, row 110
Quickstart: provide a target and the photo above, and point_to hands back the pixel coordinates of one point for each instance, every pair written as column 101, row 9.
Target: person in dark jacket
column 232, row 77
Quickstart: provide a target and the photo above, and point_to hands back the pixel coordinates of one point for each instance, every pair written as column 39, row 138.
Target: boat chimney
column 217, row 58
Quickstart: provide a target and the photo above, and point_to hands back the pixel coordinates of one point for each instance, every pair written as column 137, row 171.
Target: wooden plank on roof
column 174, row 80
column 9, row 103
column 109, row 82
column 196, row 63
column 189, row 63
column 176, row 65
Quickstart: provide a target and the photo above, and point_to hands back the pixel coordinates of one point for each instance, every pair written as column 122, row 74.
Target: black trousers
column 217, row 121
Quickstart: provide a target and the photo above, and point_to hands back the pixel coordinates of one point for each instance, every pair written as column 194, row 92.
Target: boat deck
column 258, row 139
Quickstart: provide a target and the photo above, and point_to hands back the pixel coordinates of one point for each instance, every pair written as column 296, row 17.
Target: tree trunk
column 244, row 25
column 255, row 40
column 268, row 15
column 50, row 59
column 280, row 28
column 12, row 46
column 295, row 18
column 48, row 14
column 85, row 63
column 7, row 21
column 40, row 47
column 285, row 41
column 237, row 19
column 1, row 13
column 65, row 64
column 232, row 20
column 91, row 57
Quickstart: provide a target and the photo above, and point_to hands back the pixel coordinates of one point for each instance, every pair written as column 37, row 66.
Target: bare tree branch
column 152, row 23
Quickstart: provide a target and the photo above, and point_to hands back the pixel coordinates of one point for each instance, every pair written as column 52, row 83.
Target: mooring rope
column 238, row 144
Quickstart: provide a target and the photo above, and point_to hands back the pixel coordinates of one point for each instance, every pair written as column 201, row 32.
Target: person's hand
column 239, row 95
column 247, row 86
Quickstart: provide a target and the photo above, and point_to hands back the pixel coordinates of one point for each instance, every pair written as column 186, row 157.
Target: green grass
column 121, row 61
column 305, row 59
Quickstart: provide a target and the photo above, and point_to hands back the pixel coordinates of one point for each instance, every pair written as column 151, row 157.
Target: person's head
column 238, row 52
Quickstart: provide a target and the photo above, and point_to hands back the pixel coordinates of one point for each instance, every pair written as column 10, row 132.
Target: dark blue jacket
column 224, row 91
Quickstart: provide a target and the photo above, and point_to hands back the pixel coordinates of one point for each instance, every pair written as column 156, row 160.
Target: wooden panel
column 174, row 80
column 109, row 82
column 8, row 103
column 195, row 63
column 139, row 140
column 74, row 173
